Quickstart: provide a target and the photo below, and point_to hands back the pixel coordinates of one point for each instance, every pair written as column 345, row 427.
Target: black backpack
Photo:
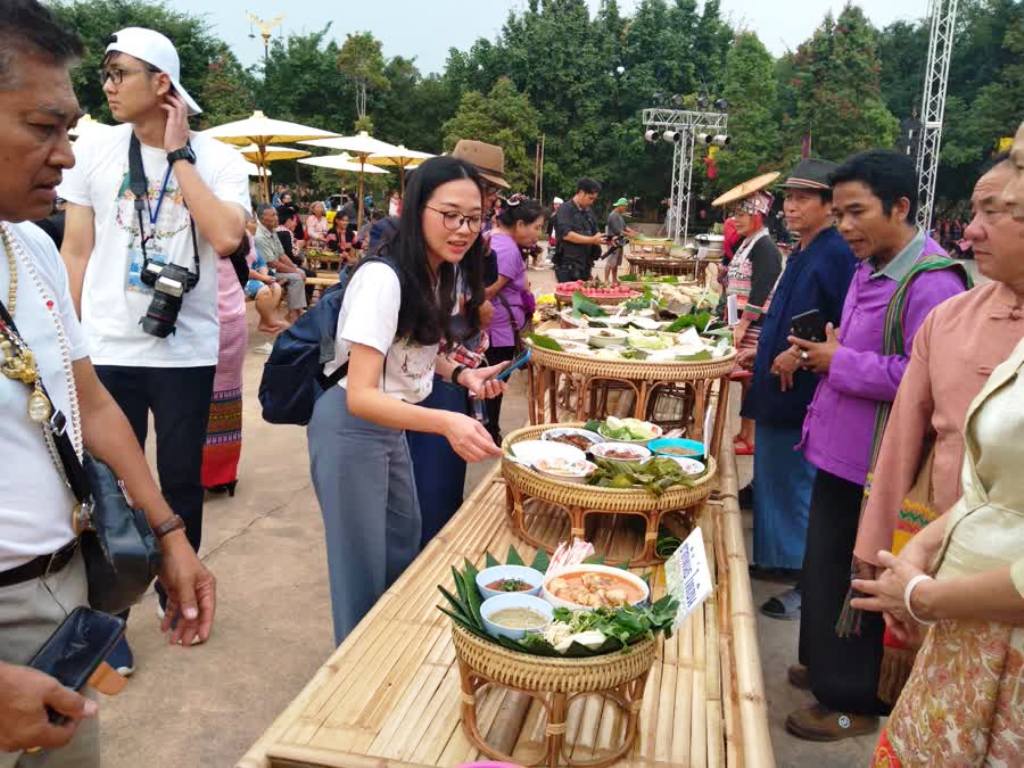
column 293, row 376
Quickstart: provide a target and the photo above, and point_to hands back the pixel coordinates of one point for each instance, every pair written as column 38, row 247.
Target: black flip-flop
column 785, row 606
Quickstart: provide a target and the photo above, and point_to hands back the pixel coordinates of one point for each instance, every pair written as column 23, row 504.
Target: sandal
column 785, row 606
column 741, row 447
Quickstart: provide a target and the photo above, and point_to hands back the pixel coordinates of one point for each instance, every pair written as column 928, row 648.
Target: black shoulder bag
column 121, row 553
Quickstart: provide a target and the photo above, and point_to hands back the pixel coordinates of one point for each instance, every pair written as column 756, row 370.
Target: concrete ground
column 203, row 707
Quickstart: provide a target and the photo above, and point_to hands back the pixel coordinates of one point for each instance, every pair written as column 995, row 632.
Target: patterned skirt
column 964, row 702
column 224, row 431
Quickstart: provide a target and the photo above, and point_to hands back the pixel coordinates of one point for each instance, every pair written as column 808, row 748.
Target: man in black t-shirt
column 578, row 239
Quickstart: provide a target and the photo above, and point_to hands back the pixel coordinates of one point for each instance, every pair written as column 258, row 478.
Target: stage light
column 672, row 137
column 721, row 140
column 703, row 138
column 722, row 105
column 651, row 136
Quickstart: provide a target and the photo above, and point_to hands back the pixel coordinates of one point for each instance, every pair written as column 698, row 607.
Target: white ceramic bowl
column 592, row 438
column 568, row 471
column 557, row 602
column 514, row 600
column 532, row 451
column 689, row 466
column 635, row 452
column 531, row 576
column 607, row 337
column 657, row 432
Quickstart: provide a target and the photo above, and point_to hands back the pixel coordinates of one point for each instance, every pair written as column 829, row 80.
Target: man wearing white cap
column 151, row 208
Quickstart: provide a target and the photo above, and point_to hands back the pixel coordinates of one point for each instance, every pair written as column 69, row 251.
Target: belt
column 44, row 565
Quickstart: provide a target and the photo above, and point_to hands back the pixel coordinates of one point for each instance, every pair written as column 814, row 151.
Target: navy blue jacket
column 815, row 278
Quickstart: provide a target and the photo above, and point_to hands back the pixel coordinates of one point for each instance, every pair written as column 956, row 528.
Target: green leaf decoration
column 585, row 306
column 513, row 556
column 490, row 560
column 541, row 561
column 544, row 342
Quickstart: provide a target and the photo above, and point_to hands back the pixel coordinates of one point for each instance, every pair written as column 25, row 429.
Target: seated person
column 340, row 240
column 264, row 289
column 269, row 247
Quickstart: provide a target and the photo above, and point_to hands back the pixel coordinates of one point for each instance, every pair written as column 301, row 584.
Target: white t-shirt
column 35, row 503
column 369, row 316
column 113, row 296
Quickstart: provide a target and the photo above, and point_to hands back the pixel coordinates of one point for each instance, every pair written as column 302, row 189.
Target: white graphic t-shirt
column 114, row 298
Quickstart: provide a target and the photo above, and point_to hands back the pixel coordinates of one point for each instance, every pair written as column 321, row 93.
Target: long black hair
column 425, row 317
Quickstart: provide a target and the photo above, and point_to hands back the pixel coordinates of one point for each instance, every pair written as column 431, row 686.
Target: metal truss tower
column 685, row 129
column 933, row 105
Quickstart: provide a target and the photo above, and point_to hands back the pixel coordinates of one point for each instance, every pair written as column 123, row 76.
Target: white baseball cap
column 150, row 46
column 558, row 201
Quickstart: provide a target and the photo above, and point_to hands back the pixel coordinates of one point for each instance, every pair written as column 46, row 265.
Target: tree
column 504, row 117
column 227, row 92
column 750, row 89
column 838, row 89
column 361, row 60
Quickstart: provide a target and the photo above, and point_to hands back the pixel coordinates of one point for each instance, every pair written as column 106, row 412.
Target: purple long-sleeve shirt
column 839, row 428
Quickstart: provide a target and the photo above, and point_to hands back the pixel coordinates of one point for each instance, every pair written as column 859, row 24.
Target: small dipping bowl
column 490, row 575
column 492, row 605
column 695, row 449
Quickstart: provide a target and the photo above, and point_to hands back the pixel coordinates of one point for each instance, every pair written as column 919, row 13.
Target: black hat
column 810, row 173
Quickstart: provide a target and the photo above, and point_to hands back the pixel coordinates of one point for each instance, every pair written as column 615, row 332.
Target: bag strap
column 74, row 472
column 516, row 332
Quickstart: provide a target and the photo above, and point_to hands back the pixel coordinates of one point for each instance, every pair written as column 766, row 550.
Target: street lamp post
column 266, row 28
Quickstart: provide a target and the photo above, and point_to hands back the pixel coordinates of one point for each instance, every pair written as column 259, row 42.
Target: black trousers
column 843, row 671
column 180, row 401
column 497, row 355
column 572, row 267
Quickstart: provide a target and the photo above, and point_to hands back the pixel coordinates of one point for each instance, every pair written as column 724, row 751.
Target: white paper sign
column 732, row 309
column 687, row 575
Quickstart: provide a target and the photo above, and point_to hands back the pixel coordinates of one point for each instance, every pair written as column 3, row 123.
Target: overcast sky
column 426, row 30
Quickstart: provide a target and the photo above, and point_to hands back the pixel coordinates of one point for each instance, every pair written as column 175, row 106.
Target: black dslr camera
column 170, row 283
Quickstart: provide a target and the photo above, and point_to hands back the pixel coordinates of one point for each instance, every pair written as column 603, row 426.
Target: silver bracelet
column 909, row 591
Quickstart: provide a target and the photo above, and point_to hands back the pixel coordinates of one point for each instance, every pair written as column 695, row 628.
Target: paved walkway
column 203, row 707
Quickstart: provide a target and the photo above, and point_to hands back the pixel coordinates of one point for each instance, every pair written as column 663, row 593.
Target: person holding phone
column 902, row 275
column 42, row 573
column 815, row 280
column 397, row 310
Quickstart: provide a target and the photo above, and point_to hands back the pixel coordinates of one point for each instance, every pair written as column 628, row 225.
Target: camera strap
column 140, row 190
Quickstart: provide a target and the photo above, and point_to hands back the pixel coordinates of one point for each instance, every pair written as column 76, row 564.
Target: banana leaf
column 544, row 342
column 585, row 306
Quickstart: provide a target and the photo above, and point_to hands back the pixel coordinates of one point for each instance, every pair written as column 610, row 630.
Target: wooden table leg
column 556, row 728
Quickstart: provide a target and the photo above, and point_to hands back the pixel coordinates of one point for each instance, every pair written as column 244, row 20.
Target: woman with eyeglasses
column 397, row 313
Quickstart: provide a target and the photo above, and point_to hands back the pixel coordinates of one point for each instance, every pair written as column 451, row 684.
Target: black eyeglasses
column 453, row 220
column 116, row 74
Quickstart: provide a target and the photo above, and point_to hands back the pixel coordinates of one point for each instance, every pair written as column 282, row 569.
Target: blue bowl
column 490, row 575
column 505, row 600
column 695, row 448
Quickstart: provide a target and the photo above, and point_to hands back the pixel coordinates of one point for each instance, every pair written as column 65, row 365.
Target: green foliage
column 838, row 90
column 504, row 117
column 753, row 121
column 361, row 60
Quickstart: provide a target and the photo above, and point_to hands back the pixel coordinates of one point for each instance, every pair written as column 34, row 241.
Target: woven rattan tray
column 580, row 501
column 635, row 370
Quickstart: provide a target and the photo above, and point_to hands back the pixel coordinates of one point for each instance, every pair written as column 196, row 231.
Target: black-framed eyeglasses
column 453, row 220
column 116, row 74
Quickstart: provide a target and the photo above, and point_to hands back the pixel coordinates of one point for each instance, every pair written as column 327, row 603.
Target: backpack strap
column 326, row 382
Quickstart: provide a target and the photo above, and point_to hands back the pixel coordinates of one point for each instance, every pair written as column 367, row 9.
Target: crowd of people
column 886, row 450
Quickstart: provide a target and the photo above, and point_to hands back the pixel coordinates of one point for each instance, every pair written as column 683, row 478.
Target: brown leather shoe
column 818, row 723
column 799, row 677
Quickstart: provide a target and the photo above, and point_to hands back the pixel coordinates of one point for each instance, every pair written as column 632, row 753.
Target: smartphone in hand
column 76, row 648
column 809, row 326
column 515, row 365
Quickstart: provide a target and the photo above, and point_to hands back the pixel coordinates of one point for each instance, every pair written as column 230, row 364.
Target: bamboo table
column 389, row 697
column 589, row 378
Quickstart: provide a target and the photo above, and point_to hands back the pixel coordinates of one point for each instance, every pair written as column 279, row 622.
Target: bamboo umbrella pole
column 362, row 170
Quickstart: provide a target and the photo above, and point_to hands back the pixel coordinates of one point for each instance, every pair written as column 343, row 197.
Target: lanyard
column 154, row 215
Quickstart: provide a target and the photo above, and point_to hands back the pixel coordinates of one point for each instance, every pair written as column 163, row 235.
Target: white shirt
column 113, row 297
column 35, row 503
column 369, row 316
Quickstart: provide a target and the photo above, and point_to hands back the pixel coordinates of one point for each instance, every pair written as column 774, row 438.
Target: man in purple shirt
column 875, row 204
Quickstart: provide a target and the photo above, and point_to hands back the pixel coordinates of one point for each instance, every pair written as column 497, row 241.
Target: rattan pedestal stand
column 554, row 683
column 588, row 376
column 581, row 501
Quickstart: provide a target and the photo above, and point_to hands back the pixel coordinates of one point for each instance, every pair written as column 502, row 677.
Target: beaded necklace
column 19, row 363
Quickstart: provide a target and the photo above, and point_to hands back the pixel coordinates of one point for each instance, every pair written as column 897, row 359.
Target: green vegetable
column 698, row 320
column 585, row 306
column 696, row 357
column 656, row 475
column 544, row 342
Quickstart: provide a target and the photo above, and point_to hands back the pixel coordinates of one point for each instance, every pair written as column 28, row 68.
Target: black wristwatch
column 185, row 153
column 456, row 373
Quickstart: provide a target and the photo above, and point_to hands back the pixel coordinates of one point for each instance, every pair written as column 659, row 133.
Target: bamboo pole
column 756, row 740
